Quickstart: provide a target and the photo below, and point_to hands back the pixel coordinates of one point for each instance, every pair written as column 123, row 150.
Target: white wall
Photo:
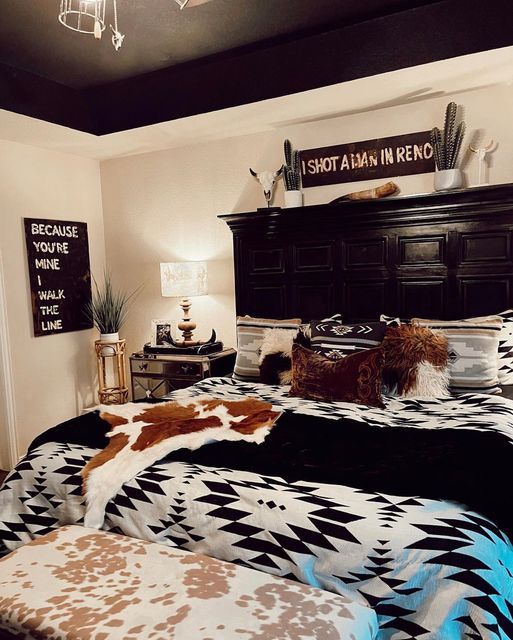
column 53, row 375
column 163, row 206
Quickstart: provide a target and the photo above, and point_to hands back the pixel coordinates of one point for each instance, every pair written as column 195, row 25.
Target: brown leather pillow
column 416, row 361
column 355, row 378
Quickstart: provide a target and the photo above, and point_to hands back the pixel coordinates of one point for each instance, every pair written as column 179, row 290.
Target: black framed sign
column 60, row 275
column 402, row 155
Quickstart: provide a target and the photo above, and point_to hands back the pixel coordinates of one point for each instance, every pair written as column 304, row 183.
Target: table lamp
column 184, row 280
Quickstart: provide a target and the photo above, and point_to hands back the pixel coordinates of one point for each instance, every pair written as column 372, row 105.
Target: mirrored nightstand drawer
column 155, row 376
column 167, row 368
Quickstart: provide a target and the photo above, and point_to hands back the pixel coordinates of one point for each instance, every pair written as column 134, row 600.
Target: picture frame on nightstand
column 161, row 335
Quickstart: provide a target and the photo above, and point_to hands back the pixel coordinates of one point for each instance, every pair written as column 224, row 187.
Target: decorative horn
column 212, row 338
column 173, row 343
column 280, row 171
column 252, row 172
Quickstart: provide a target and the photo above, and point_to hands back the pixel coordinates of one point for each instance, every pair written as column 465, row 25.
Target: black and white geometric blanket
column 430, row 568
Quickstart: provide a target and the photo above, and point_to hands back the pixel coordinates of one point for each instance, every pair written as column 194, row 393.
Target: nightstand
column 154, row 376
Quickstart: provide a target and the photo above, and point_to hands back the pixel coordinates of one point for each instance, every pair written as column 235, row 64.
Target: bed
column 430, row 565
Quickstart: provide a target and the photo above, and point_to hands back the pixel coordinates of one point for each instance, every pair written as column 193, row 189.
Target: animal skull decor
column 267, row 181
column 481, row 153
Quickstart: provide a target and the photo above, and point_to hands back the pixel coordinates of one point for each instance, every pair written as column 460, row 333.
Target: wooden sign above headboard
column 446, row 255
column 403, row 155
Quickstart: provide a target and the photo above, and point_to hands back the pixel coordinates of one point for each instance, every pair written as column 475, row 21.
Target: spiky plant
column 447, row 143
column 291, row 172
column 108, row 308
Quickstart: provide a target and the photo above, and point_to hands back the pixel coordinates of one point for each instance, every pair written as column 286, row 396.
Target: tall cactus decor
column 291, row 171
column 292, row 176
column 446, row 149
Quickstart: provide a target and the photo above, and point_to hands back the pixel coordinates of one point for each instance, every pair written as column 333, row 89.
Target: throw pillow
column 506, row 348
column 416, row 362
column 335, row 340
column 355, row 378
column 473, row 348
column 393, row 320
column 276, row 353
column 250, row 335
column 305, row 328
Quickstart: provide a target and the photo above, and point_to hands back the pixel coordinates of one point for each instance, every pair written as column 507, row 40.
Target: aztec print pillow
column 276, row 353
column 355, row 378
column 506, row 348
column 390, row 319
column 473, row 352
column 335, row 340
column 305, row 327
column 416, row 362
column 250, row 335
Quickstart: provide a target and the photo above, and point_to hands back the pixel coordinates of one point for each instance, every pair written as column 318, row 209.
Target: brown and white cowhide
column 144, row 433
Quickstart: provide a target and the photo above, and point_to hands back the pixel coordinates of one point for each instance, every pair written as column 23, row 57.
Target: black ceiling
column 223, row 53
column 159, row 35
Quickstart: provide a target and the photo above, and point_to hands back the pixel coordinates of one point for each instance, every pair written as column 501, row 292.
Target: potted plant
column 292, row 176
column 108, row 308
column 446, row 149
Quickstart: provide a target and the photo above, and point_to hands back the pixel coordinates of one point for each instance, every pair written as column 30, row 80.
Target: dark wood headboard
column 445, row 255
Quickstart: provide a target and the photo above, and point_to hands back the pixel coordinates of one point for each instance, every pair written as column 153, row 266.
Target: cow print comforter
column 430, row 568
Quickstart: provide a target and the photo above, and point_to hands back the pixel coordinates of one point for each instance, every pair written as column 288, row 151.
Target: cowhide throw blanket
column 142, row 434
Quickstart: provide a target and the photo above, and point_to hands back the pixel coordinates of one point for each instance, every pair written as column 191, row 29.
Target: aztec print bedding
column 429, row 568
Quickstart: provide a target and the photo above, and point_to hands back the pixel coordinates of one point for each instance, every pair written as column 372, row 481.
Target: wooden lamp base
column 187, row 326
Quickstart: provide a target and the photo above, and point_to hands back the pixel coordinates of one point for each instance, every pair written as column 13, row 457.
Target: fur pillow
column 276, row 353
column 416, row 362
column 355, row 378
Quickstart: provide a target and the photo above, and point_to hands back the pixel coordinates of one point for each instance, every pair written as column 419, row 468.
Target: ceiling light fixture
column 88, row 16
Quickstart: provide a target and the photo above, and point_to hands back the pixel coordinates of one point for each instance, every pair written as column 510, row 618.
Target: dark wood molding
column 30, row 95
column 482, row 203
column 417, row 36
column 445, row 255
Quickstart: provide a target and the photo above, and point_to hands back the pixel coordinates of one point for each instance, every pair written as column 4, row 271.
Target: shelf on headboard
column 445, row 254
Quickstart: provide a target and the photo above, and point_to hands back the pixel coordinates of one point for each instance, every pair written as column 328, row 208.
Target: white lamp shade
column 183, row 279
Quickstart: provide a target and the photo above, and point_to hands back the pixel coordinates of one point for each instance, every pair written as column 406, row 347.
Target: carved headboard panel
column 445, row 255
